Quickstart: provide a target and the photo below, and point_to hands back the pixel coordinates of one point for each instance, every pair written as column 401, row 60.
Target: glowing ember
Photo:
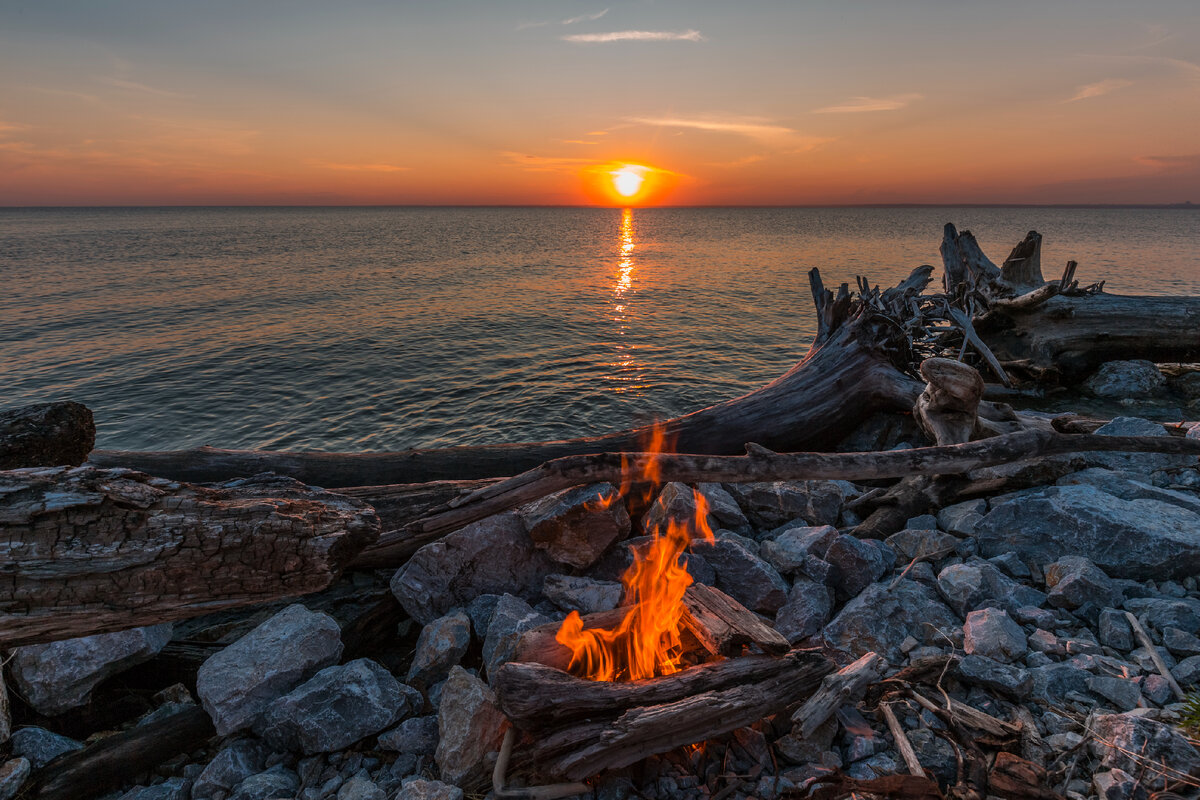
column 646, row 643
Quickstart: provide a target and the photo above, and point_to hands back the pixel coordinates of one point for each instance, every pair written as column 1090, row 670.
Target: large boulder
column 742, row 575
column 470, row 729
column 59, row 676
column 1129, row 741
column 491, row 556
column 337, row 707
column 1137, row 378
column 771, row 504
column 884, row 615
column 235, row 685
column 1120, row 485
column 1139, row 539
column 46, row 435
column 575, row 526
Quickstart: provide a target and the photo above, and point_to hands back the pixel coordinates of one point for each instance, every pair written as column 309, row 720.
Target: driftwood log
column 86, row 550
column 46, row 435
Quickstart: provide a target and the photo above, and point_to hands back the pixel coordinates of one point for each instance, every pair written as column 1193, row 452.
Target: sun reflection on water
column 627, row 374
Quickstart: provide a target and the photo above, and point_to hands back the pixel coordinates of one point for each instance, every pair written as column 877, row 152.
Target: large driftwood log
column 86, row 550
column 46, row 435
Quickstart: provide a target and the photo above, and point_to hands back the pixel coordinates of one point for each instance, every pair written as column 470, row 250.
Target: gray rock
column 59, row 676
column 1126, row 741
column 231, row 765
column 41, row 746
column 743, row 575
column 1181, row 643
column 1134, row 378
column 769, row 505
column 235, row 685
column 991, row 633
column 337, row 707
column 921, row 522
column 1126, row 538
column 977, row 584
column 470, row 727
column 480, row 611
column 420, row 789
column 1163, row 612
column 1043, row 641
column 1038, row 617
column 857, row 563
column 360, row 788
column 1131, row 426
column 620, row 558
column 1116, row 784
column 1122, row 693
column 1157, row 690
column 12, row 777
column 913, row 543
column 414, row 735
column 491, row 556
column 575, row 526
column 441, row 645
column 276, row 782
column 512, row 617
column 1142, row 657
column 1053, row 682
column 676, row 503
column 1187, row 671
column 788, row 548
column 723, row 509
column 1115, row 631
column 1121, row 485
column 876, row 766
column 1011, row 565
column 176, row 788
column 1075, row 580
column 961, row 518
column 1013, row 681
column 585, row 595
column 881, row 617
column 935, row 754
column 808, row 607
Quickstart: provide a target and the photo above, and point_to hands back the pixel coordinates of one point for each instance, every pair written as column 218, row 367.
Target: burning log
column 723, row 626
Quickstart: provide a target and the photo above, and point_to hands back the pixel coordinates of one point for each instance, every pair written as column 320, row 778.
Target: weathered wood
column 965, row 266
column 1022, row 270
column 86, row 550
column 1144, row 640
column 902, row 743
column 46, row 435
column 538, row 645
column 401, row 503
column 115, row 761
column 580, row 750
column 948, row 407
column 536, row 697
column 724, row 626
column 5, row 714
column 844, row 686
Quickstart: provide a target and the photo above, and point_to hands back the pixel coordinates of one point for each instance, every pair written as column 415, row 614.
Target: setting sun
column 627, row 181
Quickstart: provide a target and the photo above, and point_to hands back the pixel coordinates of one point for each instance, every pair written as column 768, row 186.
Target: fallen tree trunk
column 86, row 550
column 46, row 435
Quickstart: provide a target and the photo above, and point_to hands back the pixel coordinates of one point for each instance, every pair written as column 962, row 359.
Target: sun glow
column 628, row 181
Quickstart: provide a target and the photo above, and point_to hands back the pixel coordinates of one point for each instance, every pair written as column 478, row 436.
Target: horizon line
column 1185, row 205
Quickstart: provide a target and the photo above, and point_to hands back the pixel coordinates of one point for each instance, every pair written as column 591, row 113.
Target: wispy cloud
column 636, row 36
column 532, row 163
column 569, row 141
column 756, row 127
column 856, row 105
column 1185, row 162
column 363, row 167
column 1098, row 88
column 744, row 161
column 134, row 86
column 568, row 21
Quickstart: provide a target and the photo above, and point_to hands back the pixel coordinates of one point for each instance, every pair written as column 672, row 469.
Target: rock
column 1187, row 672
column 233, row 764
column 1181, row 643
column 12, row 777
column 1120, row 485
column 620, row 558
column 577, row 525
column 676, row 503
column 512, row 617
column 580, row 594
column 491, row 556
column 1162, row 612
column 1115, row 631
column 991, row 633
column 1135, row 378
column 921, row 522
column 1156, row 689
column 1038, row 617
column 420, row 789
column 876, row 766
column 41, row 746
column 1011, row 565
column 788, row 548
column 961, row 518
column 1117, row 784
column 59, row 676
column 414, row 735
column 723, row 509
column 177, row 788
column 1053, row 682
column 46, row 435
column 1043, row 641
column 1122, row 693
column 441, row 645
column 480, row 611
column 360, row 788
column 991, row 674
column 770, row 504
column 935, row 754
column 742, row 575
column 857, row 563
column 337, row 707
column 1074, row 580
column 470, row 727
column 235, row 685
column 913, row 543
column 976, row 584
column 1142, row 657
column 276, row 782
column 808, row 607
column 1127, row 741
column 1138, row 539
column 1131, row 426
column 881, row 617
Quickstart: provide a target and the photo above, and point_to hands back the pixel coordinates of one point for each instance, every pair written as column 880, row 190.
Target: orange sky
column 302, row 102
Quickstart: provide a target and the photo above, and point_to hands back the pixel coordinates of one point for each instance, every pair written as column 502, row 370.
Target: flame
column 647, row 641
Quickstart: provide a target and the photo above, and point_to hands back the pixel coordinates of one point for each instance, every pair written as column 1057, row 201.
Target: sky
column 173, row 102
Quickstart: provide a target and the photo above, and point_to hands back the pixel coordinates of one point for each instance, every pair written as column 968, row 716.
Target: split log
column 86, row 550
column 844, row 686
column 46, row 435
column 578, row 750
column 539, row 646
column 723, row 626
column 115, row 761
column 1022, row 270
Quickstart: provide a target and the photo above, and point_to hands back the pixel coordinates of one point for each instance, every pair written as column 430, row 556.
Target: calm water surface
column 387, row 328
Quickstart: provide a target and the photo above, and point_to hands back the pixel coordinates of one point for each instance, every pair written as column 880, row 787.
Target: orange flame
column 647, row 641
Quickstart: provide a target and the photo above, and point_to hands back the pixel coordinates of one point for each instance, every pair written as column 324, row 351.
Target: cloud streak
column 635, row 36
column 364, row 167
column 756, row 127
column 569, row 21
column 859, row 105
column 1098, row 88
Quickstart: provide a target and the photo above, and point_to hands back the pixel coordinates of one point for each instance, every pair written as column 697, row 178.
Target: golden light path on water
column 627, row 373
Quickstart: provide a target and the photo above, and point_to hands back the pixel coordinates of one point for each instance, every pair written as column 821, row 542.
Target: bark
column 86, row 550
column 46, row 435
column 1022, row 270
column 847, row 685
column 723, row 626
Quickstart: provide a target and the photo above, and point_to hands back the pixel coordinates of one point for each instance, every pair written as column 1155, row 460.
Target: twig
column 902, row 743
column 1144, row 638
column 551, row 791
